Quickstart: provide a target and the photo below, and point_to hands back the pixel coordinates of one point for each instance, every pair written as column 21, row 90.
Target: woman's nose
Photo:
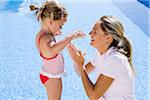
column 91, row 33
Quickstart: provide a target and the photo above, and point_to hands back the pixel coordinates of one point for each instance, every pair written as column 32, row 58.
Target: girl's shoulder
column 43, row 37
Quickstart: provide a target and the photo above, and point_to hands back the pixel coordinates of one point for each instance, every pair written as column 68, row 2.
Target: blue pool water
column 20, row 62
column 12, row 6
column 145, row 2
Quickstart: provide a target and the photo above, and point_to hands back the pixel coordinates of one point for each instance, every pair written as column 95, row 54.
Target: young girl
column 52, row 17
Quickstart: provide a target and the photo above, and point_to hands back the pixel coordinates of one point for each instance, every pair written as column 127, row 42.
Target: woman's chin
column 91, row 43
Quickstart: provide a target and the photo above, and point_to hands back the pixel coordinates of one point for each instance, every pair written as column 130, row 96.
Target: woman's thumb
column 80, row 52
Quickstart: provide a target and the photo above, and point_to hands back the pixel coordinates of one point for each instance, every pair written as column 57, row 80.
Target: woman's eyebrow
column 94, row 28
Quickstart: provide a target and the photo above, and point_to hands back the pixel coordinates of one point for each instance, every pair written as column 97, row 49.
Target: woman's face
column 97, row 36
column 55, row 26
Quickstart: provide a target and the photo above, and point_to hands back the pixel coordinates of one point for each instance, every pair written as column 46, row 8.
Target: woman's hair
column 111, row 25
column 49, row 9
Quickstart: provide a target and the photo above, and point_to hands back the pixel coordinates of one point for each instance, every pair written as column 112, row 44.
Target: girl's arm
column 55, row 48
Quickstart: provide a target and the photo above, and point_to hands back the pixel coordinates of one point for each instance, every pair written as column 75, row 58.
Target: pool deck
column 20, row 62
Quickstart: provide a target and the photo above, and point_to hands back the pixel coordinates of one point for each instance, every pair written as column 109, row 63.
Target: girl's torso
column 51, row 65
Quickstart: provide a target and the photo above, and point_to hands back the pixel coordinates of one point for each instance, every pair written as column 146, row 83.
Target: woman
column 113, row 62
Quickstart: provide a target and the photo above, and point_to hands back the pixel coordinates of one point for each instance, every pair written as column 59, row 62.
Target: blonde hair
column 49, row 9
column 111, row 25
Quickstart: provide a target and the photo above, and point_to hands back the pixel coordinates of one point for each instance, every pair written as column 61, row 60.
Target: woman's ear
column 109, row 38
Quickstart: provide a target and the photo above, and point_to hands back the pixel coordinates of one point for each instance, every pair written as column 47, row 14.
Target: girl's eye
column 60, row 27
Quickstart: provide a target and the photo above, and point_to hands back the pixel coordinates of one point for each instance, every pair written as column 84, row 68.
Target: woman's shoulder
column 116, row 55
column 116, row 58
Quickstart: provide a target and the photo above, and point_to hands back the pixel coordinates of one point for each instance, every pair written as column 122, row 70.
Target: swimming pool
column 20, row 62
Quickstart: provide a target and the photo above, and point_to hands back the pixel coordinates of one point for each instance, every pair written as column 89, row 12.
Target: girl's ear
column 50, row 21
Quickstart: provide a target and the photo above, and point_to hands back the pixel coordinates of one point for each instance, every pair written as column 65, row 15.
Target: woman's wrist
column 82, row 70
column 81, row 67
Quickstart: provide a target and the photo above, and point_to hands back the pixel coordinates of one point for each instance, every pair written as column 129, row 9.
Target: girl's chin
column 58, row 33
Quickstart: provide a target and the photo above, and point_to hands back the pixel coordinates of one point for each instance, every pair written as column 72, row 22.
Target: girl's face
column 55, row 26
column 98, row 37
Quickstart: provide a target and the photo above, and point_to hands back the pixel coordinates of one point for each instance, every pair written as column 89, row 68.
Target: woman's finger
column 73, row 47
column 74, row 55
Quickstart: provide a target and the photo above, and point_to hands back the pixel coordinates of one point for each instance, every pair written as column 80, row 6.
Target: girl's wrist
column 73, row 37
column 70, row 38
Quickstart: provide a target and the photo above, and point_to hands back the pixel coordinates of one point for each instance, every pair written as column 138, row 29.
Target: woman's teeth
column 92, row 39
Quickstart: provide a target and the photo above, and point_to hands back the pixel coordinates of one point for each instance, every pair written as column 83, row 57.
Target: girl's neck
column 44, row 29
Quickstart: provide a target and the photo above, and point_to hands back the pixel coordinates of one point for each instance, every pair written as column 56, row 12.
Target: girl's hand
column 77, row 34
column 76, row 55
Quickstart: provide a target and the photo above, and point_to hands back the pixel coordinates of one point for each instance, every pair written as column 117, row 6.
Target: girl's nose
column 60, row 27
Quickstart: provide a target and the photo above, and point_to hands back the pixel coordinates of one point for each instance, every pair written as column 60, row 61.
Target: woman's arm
column 88, row 68
column 95, row 91
column 73, row 52
column 74, row 55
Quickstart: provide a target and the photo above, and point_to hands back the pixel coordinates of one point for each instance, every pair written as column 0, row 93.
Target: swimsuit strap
column 41, row 52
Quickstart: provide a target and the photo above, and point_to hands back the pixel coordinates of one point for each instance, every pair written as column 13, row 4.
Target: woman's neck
column 102, row 50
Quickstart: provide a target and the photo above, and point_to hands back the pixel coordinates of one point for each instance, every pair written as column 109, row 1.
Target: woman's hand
column 76, row 55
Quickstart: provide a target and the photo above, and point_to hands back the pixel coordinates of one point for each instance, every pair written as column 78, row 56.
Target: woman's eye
column 95, row 32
